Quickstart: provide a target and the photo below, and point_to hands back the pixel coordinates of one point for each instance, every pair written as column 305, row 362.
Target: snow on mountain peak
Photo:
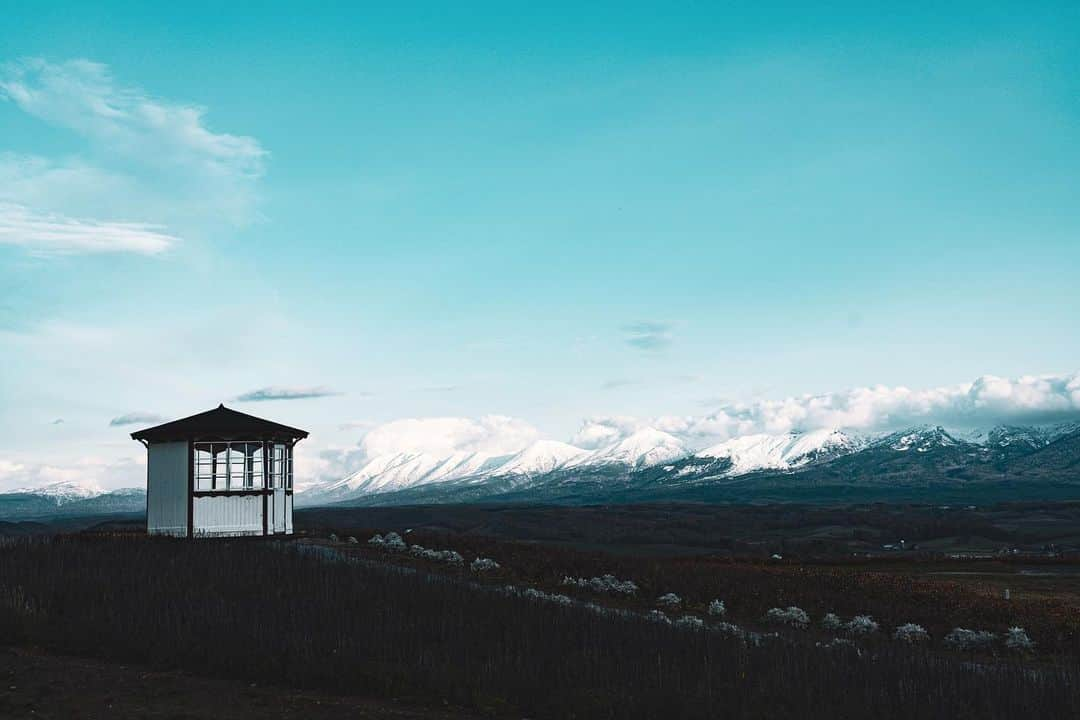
column 644, row 448
column 403, row 470
column 748, row 453
column 66, row 490
column 921, row 439
column 540, row 457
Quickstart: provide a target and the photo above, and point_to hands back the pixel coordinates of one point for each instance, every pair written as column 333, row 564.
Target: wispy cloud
column 440, row 388
column 58, row 421
column 136, row 418
column 51, row 234
column 647, row 335
column 82, row 96
column 357, row 425
column 275, row 392
column 616, row 383
column 148, row 165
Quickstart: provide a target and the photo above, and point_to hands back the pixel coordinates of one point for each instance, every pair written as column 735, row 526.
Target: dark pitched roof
column 221, row 423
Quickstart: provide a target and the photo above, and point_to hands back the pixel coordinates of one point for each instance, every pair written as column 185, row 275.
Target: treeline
column 263, row 612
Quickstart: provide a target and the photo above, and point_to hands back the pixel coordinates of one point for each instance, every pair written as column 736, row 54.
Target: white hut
column 219, row 473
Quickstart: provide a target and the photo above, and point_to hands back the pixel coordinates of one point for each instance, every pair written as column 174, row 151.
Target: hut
column 219, row 473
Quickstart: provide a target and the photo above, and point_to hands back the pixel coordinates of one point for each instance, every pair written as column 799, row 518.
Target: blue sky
column 551, row 214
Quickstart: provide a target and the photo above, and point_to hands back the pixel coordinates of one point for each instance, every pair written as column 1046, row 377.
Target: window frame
column 222, row 476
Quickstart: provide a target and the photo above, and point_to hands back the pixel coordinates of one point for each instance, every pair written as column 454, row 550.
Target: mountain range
column 652, row 465
column 70, row 499
column 926, row 463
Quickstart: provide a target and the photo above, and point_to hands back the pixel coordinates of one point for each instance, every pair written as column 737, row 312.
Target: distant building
column 219, row 473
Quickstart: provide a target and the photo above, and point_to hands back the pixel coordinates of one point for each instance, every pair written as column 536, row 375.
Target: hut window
column 281, row 468
column 288, row 466
column 229, row 466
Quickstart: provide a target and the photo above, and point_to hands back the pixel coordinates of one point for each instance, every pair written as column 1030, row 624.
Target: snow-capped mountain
column 541, row 457
column 920, row 439
column 403, row 470
column 70, row 498
column 389, row 473
column 781, row 452
column 645, row 448
column 651, row 464
column 65, row 491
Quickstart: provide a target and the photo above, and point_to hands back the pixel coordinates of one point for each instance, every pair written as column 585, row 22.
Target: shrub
column 717, row 608
column 451, row 557
column 862, row 625
column 911, row 633
column 390, row 541
column 964, row 639
column 791, row 616
column 832, row 621
column 690, row 622
column 669, row 600
column 556, row 598
column 658, row 617
column 483, row 565
column 604, row 584
column 353, row 541
column 1017, row 640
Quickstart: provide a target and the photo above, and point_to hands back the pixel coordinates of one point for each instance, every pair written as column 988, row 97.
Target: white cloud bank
column 984, row 402
column 491, row 434
column 988, row 400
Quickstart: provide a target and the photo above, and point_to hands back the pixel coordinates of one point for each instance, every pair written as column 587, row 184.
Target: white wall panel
column 228, row 515
column 166, row 488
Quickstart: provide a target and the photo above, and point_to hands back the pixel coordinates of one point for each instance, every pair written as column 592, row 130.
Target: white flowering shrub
column 729, row 629
column 862, row 625
column 608, row 584
column 791, row 616
column 352, row 541
column 483, row 565
column 598, row 609
column 451, row 557
column 390, row 541
column 556, row 598
column 832, row 621
column 690, row 622
column 717, row 609
column 839, row 643
column 1017, row 639
column 658, row 617
column 669, row 600
column 964, row 639
column 911, row 633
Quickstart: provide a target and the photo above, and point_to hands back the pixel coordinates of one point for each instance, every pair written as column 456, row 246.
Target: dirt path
column 40, row 686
